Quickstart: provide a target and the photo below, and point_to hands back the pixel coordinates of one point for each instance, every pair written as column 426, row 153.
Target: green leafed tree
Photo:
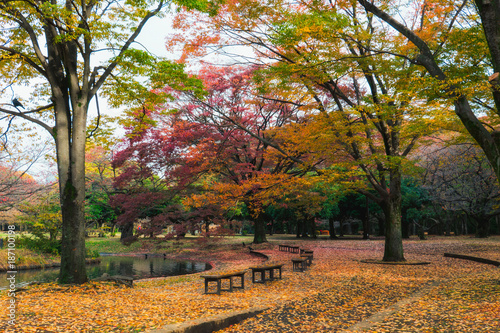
column 451, row 40
column 43, row 216
column 68, row 51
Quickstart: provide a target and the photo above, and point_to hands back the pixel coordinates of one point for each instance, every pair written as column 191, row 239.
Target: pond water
column 137, row 267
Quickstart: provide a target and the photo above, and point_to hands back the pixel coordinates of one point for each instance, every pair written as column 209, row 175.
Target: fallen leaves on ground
column 336, row 292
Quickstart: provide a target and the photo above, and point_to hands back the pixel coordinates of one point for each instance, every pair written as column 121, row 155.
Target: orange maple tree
column 219, row 146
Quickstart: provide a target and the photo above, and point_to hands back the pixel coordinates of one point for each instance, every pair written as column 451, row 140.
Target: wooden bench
column 299, row 264
column 308, row 257
column 263, row 269
column 224, row 276
column 294, row 249
column 309, row 254
column 94, row 234
column 283, row 247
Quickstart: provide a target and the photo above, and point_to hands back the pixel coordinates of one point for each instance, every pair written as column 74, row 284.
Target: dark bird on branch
column 16, row 103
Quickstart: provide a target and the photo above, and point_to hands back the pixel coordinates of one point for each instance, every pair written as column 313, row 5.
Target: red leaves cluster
column 198, row 141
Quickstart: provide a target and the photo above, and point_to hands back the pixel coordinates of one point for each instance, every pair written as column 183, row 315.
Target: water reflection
column 137, row 267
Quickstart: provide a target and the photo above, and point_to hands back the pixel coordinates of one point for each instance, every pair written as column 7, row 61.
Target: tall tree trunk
column 260, row 229
column 305, row 227
column 127, row 231
column 70, row 142
column 447, row 223
column 73, row 268
column 331, row 224
column 391, row 205
column 405, row 225
column 381, row 224
column 341, row 229
column 299, row 225
column 312, row 223
column 483, row 226
column 366, row 221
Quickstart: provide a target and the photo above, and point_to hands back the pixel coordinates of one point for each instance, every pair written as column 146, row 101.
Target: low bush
column 39, row 244
column 91, row 253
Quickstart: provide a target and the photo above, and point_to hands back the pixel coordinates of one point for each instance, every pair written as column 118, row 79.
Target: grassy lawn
column 113, row 245
column 145, row 245
column 26, row 257
column 110, row 245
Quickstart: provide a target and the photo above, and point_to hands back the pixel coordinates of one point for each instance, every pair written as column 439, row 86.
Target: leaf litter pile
column 338, row 293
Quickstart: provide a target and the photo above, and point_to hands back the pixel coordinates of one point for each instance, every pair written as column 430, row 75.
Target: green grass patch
column 110, row 245
column 26, row 257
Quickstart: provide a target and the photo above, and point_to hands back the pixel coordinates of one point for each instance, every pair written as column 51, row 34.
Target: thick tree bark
column 260, row 229
column 299, row 225
column 331, row 224
column 483, row 226
column 366, row 221
column 405, row 228
column 312, row 225
column 61, row 51
column 127, row 231
column 341, row 229
column 73, row 268
column 381, row 225
column 70, row 141
column 391, row 206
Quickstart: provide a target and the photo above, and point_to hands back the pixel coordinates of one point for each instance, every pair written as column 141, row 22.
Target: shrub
column 91, row 253
column 39, row 244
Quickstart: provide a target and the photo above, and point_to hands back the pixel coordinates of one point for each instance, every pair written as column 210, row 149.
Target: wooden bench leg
column 242, row 282
column 262, row 276
column 299, row 265
column 219, row 286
